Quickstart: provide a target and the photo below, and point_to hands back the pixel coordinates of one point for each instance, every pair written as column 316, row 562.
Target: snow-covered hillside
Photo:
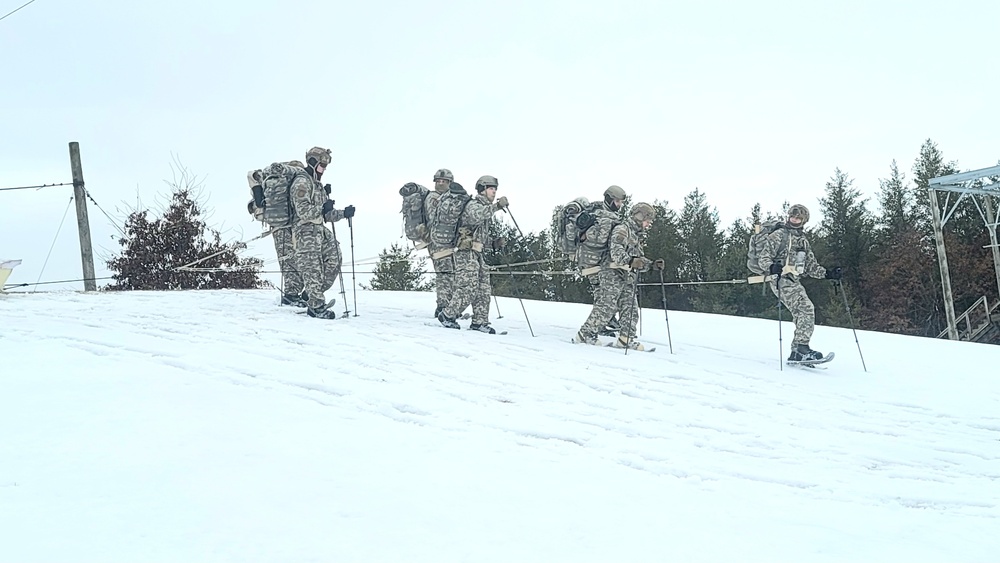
column 216, row 426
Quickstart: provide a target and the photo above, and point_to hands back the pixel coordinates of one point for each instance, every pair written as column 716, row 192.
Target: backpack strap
column 458, row 224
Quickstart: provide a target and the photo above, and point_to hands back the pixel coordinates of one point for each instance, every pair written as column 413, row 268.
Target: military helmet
column 444, row 174
column 486, row 182
column 800, row 211
column 321, row 155
column 614, row 192
column 643, row 212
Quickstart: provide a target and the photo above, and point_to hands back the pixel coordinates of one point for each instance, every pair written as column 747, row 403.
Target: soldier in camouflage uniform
column 617, row 278
column 472, row 280
column 317, row 252
column 444, row 268
column 786, row 255
column 291, row 280
column 601, row 218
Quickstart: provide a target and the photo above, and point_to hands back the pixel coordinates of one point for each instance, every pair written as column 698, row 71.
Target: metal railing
column 974, row 320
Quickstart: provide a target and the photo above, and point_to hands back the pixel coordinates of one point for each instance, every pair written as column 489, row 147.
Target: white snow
column 216, row 426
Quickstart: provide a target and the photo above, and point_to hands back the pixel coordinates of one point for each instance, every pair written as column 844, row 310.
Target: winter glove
column 775, row 269
column 253, row 178
column 502, row 202
column 834, row 273
column 659, row 264
column 328, row 206
column 348, row 212
column 327, row 189
column 499, row 243
column 639, row 263
column 585, row 220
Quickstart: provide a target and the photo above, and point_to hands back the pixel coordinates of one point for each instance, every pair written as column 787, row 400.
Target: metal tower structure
column 973, row 185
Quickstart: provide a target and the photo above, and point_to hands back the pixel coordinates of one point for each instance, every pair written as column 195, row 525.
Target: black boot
column 802, row 352
column 293, row 299
column 612, row 328
column 446, row 322
column 485, row 327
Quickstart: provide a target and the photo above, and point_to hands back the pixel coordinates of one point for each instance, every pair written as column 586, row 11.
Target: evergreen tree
column 896, row 202
column 847, row 228
column 929, row 164
column 516, row 250
column 396, row 271
column 152, row 249
column 700, row 241
column 897, row 279
column 700, row 238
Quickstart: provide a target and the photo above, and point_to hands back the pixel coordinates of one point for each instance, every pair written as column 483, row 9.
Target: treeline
column 885, row 247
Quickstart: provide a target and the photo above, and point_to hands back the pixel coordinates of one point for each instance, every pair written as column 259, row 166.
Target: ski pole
column 851, row 318
column 340, row 273
column 512, row 278
column 354, row 280
column 638, row 297
column 496, row 303
column 513, row 287
column 666, row 316
column 781, row 346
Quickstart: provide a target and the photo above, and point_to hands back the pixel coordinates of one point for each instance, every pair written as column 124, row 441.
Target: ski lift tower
column 984, row 183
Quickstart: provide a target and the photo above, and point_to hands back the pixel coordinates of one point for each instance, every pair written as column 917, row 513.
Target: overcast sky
column 750, row 102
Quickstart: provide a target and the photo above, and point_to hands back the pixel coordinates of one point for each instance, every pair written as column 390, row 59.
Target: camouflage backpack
column 593, row 246
column 278, row 210
column 447, row 218
column 415, row 220
column 756, row 245
column 566, row 229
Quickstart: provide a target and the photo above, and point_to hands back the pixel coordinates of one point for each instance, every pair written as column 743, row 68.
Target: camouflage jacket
column 783, row 246
column 307, row 195
column 624, row 245
column 474, row 232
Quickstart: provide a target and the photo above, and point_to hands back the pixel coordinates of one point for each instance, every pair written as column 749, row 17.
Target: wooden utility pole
column 82, row 220
column 991, row 227
column 949, row 302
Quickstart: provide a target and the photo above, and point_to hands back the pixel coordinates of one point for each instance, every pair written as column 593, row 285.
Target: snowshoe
column 329, row 305
column 803, row 353
column 321, row 313
column 811, row 363
column 626, row 342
